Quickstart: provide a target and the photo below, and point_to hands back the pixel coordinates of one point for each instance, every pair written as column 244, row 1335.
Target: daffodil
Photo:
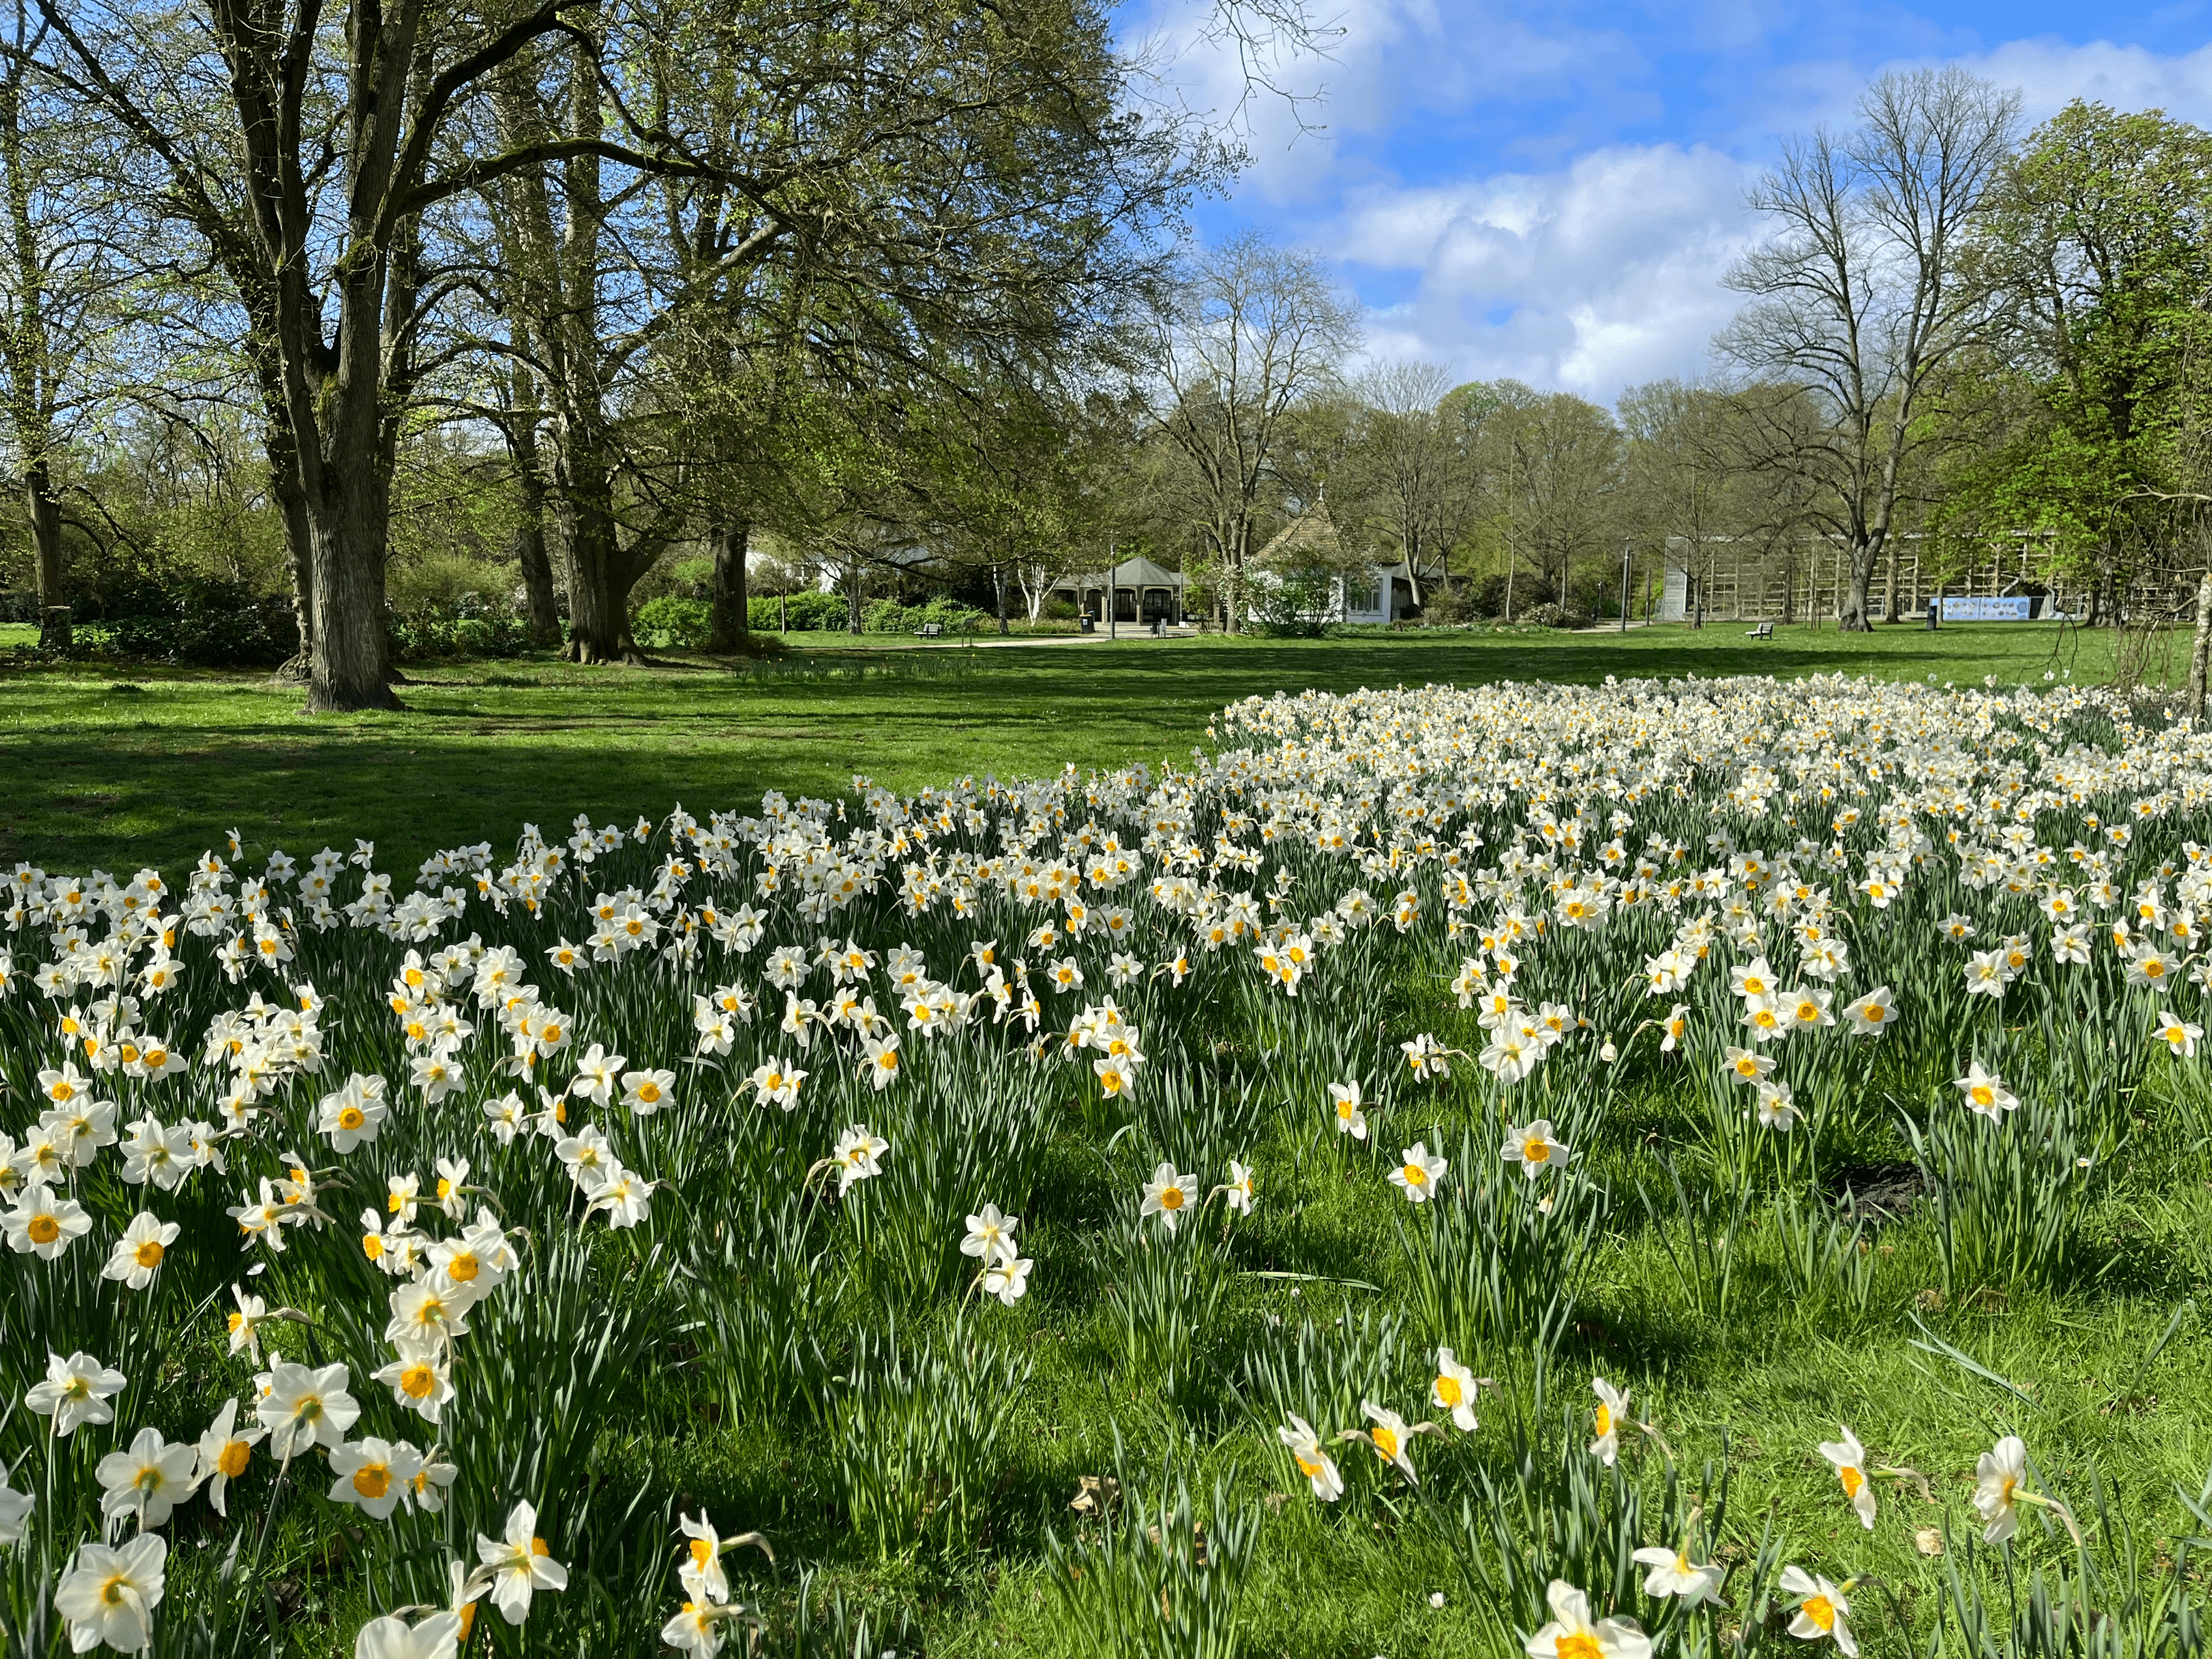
column 1671, row 1572
column 1820, row 1612
column 1985, row 1093
column 1776, row 1105
column 1315, row 1464
column 1237, row 1191
column 645, row 1091
column 16, row 1508
column 1167, row 1194
column 390, row 1636
column 245, row 1322
column 75, row 1391
column 697, row 1628
column 1454, row 1390
column 1607, row 1417
column 147, row 1480
column 1533, row 1148
column 372, row 1475
column 419, row 1376
column 1849, row 1459
column 1389, row 1436
column 306, row 1407
column 520, row 1563
column 351, row 1115
column 1417, row 1173
column 858, row 1157
column 991, row 1235
column 139, row 1250
column 1348, row 1110
column 1572, row 1634
column 44, row 1222
column 223, row 1453
column 701, row 1571
column 107, row 1596
column 1872, row 1013
column 2000, row 1476
column 1008, row 1281
column 2181, row 1036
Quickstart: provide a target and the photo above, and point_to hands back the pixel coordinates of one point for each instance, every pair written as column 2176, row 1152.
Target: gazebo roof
column 1138, row 572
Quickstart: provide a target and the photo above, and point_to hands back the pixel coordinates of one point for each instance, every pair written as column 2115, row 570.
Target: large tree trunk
column 852, row 600
column 999, row 591
column 44, row 508
column 600, row 572
column 1851, row 591
column 350, row 667
column 598, row 599
column 727, row 622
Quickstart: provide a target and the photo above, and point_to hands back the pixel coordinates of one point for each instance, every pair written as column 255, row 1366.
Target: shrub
column 1551, row 614
column 807, row 612
column 193, row 620
column 439, row 631
column 1296, row 604
column 1449, row 606
column 673, row 621
column 889, row 616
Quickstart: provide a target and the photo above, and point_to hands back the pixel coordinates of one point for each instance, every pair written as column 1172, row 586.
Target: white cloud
column 1602, row 274
column 1396, row 65
column 1525, row 193
column 2051, row 73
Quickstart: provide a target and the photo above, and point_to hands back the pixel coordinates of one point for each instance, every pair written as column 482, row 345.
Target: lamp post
column 1113, row 610
column 1625, row 546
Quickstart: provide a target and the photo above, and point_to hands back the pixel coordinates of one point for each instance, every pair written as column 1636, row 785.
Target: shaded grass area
column 118, row 767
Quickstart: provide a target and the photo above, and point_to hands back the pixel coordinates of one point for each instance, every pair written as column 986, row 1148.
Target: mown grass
column 117, row 766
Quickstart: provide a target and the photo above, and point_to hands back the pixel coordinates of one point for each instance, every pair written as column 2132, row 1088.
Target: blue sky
column 1554, row 193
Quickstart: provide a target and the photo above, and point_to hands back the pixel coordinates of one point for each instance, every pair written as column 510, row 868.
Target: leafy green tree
column 2095, row 252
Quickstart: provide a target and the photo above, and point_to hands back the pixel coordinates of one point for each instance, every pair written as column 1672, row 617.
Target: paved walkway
column 988, row 641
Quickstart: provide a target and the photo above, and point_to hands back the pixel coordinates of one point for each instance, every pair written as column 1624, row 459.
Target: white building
column 1358, row 592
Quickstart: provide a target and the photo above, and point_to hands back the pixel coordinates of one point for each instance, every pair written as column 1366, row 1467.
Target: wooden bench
column 1763, row 631
column 929, row 631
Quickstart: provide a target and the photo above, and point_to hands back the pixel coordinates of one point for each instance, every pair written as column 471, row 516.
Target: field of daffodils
column 1323, row 1198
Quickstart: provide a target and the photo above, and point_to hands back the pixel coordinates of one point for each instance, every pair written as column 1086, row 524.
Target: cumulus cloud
column 1556, row 194
column 1601, row 274
column 1398, row 68
column 2051, row 73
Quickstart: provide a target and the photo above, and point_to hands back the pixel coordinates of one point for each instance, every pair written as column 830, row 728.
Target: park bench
column 929, row 631
column 1763, row 631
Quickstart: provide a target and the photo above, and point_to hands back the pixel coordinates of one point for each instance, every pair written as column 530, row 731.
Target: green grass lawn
column 119, row 766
